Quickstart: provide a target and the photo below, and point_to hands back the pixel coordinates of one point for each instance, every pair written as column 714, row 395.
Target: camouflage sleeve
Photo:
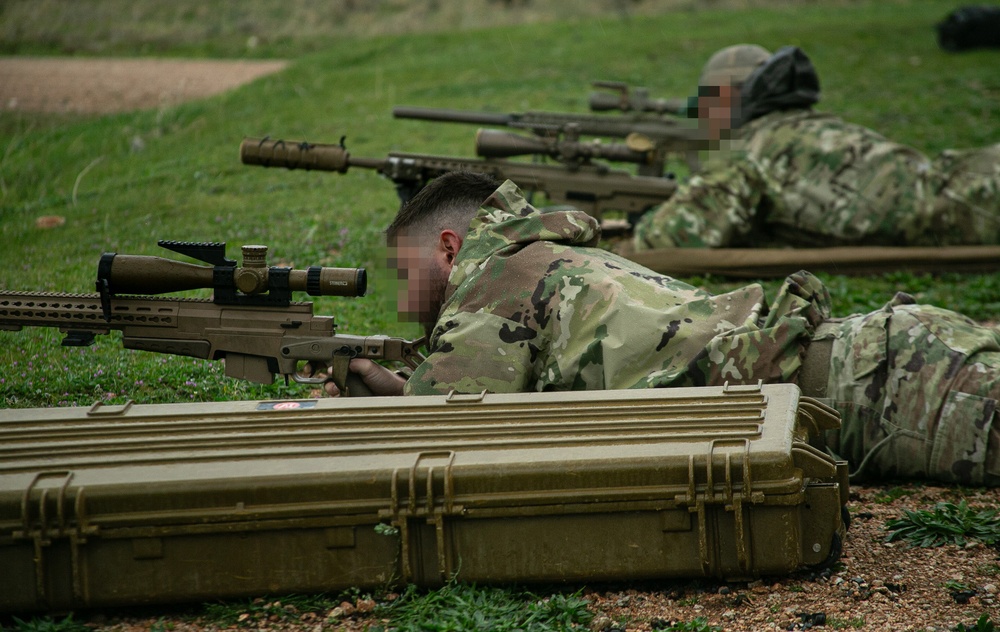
column 716, row 210
column 476, row 352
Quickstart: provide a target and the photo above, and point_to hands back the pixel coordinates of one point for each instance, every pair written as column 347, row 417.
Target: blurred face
column 424, row 275
column 717, row 106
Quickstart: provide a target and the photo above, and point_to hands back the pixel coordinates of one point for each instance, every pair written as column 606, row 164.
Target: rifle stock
column 591, row 187
column 256, row 342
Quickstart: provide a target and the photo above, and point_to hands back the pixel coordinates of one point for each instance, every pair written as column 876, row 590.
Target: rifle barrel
column 451, row 116
column 591, row 187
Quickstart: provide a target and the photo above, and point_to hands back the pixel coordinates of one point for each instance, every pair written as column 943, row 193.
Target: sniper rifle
column 663, row 136
column 251, row 321
column 589, row 186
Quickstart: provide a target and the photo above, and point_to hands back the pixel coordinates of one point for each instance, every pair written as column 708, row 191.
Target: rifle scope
column 142, row 274
column 492, row 143
column 634, row 100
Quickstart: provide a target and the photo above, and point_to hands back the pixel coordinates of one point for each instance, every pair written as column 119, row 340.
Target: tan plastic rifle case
column 141, row 504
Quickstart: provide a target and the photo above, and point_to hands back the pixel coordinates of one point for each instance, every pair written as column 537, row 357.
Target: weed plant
column 983, row 624
column 49, row 624
column 945, row 523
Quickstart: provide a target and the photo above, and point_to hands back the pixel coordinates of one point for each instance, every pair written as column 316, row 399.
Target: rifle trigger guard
column 301, row 379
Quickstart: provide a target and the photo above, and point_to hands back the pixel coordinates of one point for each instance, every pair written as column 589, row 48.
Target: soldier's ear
column 449, row 243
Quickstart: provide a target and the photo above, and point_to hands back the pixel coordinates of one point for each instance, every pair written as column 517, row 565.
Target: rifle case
column 758, row 263
column 141, row 504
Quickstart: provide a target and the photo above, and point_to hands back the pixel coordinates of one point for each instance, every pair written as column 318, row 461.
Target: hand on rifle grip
column 362, row 378
column 375, row 378
column 356, row 386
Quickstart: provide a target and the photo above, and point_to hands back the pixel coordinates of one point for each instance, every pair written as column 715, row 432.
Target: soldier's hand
column 380, row 380
column 308, row 370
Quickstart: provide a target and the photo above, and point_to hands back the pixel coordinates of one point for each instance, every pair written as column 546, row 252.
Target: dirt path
column 95, row 86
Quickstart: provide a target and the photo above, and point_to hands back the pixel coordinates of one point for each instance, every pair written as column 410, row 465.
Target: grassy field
column 878, row 60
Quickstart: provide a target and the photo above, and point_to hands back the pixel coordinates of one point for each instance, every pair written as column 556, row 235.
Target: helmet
column 732, row 65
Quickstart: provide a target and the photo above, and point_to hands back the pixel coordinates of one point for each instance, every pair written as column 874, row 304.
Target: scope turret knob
column 252, row 277
column 254, row 256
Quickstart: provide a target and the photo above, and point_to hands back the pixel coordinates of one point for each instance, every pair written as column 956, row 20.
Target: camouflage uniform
column 917, row 389
column 801, row 178
column 532, row 305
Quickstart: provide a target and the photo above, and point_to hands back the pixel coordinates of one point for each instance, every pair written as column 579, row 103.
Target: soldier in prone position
column 785, row 175
column 517, row 300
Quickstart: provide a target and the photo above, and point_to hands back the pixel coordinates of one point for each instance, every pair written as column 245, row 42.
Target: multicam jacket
column 533, row 305
column 801, row 178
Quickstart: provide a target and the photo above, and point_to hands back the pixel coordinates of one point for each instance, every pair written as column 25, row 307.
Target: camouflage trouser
column 967, row 206
column 917, row 387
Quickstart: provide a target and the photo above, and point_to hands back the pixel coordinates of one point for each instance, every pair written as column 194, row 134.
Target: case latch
column 728, row 490
column 430, row 495
column 46, row 515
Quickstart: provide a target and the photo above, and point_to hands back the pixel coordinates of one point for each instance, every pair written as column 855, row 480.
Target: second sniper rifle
column 655, row 134
column 251, row 321
column 591, row 187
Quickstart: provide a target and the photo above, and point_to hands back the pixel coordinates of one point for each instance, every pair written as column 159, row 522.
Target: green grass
column 264, row 28
column 456, row 607
column 878, row 61
column 838, row 623
column 953, row 585
column 462, row 607
column 888, row 496
column 945, row 523
column 49, row 624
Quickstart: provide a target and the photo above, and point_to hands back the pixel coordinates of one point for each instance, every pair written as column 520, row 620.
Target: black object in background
column 970, row 27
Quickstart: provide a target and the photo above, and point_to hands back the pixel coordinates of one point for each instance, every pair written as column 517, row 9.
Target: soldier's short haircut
column 448, row 201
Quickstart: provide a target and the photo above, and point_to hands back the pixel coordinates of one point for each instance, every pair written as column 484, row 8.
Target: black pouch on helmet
column 970, row 27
